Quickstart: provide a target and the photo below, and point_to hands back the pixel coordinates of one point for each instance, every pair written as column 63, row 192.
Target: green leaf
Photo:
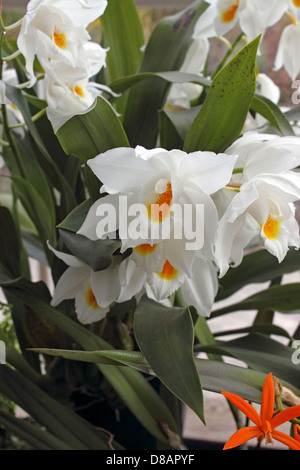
column 263, row 354
column 265, row 328
column 45, row 159
column 170, row 350
column 169, row 138
column 91, row 133
column 215, row 375
column 32, row 434
column 123, row 35
column 97, row 254
column 36, row 208
column 77, row 216
column 133, row 359
column 257, row 267
column 272, row 113
column 147, row 98
column 59, row 420
column 133, row 389
column 122, row 84
column 182, row 120
column 9, row 242
column 283, row 298
column 224, row 111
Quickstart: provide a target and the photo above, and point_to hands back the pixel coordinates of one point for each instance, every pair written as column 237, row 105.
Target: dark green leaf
column 262, row 353
column 59, row 420
column 34, row 436
column 123, row 35
column 133, row 389
column 97, row 254
column 147, row 98
column 91, row 133
column 272, row 113
column 283, row 298
column 170, row 349
column 9, row 242
column 257, row 267
column 122, row 84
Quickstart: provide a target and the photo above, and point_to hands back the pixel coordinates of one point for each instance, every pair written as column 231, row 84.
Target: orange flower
column 297, row 432
column 265, row 422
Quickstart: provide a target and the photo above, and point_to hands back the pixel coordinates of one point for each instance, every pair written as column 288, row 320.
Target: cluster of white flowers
column 246, row 193
column 253, row 18
column 55, row 32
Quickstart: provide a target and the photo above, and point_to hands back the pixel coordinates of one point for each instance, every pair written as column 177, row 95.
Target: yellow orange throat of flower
column 91, row 299
column 159, row 210
column 229, row 14
column 60, row 39
column 168, row 272
column 272, row 228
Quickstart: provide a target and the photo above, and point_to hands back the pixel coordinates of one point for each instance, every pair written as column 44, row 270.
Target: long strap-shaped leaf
column 223, row 114
column 59, row 420
column 147, row 98
column 137, row 394
column 165, row 337
column 32, row 434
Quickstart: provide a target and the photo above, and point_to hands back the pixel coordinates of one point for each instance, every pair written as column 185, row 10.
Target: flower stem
column 11, row 56
column 12, row 26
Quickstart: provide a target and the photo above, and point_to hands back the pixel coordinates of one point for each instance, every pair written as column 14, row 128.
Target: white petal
column 132, row 280
column 86, row 313
column 69, row 283
column 232, row 239
column 208, row 170
column 201, row 290
column 106, row 283
column 102, row 219
column 121, row 170
column 70, row 260
column 160, row 287
column 287, row 52
column 205, row 27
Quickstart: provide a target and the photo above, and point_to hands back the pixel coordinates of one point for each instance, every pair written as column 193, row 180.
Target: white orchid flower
column 93, row 291
column 198, row 290
column 287, row 55
column 181, row 94
column 56, row 30
column 253, row 17
column 267, row 186
column 156, row 195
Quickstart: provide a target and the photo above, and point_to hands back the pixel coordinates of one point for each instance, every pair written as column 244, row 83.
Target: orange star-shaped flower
column 266, row 422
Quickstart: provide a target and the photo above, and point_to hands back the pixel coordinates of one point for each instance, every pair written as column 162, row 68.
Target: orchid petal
column 286, row 440
column 244, row 406
column 106, row 284
column 267, row 400
column 201, row 289
column 242, row 435
column 285, row 415
column 208, row 170
column 69, row 283
column 120, row 170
